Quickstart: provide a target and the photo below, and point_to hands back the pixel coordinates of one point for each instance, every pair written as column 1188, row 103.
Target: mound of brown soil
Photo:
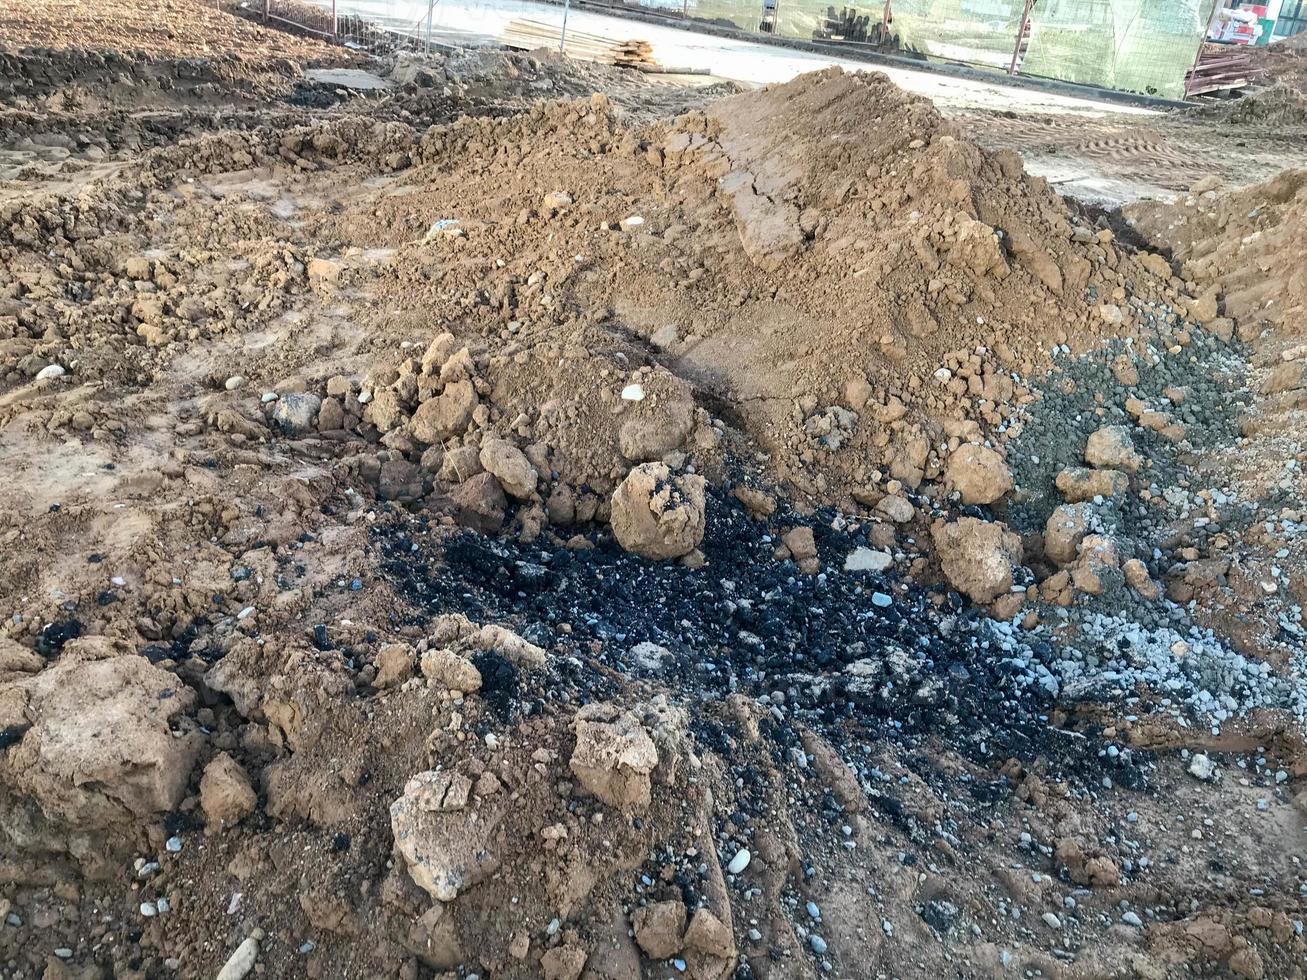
column 1243, row 246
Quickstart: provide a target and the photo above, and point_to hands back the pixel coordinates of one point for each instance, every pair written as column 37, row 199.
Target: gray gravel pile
column 1212, row 374
column 1188, row 672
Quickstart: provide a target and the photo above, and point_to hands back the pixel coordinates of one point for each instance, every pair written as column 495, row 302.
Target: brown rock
column 331, row 416
column 1156, row 264
column 897, row 509
column 978, row 557
column 561, row 506
column 707, row 934
column 800, row 542
column 458, row 368
column 659, row 928
column 1247, row 963
column 510, row 467
column 438, row 352
column 1111, row 448
column 1078, row 483
column 657, row 514
column 1137, row 577
column 1066, row 528
column 226, row 796
column 385, row 411
column 1085, row 869
column 1095, row 570
column 479, row 503
column 613, row 758
column 1204, row 308
column 759, row 505
column 451, row 671
column 1006, row 606
column 907, row 457
column 1124, row 370
column 857, row 392
column 101, row 747
column 456, row 632
column 978, row 474
column 563, row 963
column 446, row 415
column 447, row 845
column 461, row 463
column 394, row 664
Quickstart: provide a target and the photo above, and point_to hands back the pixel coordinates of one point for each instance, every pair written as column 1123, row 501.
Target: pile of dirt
column 164, row 29
column 1236, row 250
column 1281, row 104
column 901, row 281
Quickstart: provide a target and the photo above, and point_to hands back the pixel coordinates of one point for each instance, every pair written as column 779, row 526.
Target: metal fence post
column 335, row 21
column 562, row 35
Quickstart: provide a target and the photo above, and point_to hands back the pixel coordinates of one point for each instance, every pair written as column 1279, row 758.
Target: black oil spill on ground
column 851, row 665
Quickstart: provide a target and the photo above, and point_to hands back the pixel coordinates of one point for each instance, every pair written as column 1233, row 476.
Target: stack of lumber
column 1221, row 66
column 527, row 35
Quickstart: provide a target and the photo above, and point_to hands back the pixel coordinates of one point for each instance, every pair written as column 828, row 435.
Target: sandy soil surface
column 531, row 520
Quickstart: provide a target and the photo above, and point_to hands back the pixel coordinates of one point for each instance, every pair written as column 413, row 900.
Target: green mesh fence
column 974, row 32
column 1143, row 46
column 744, row 14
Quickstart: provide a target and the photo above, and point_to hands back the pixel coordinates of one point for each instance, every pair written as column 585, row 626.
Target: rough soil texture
column 533, row 521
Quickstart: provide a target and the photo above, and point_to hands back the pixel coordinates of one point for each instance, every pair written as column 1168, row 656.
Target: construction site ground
column 483, row 514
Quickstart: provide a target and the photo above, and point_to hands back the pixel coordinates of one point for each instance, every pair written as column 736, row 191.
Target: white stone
column 241, row 962
column 740, row 861
column 867, row 560
column 1202, row 767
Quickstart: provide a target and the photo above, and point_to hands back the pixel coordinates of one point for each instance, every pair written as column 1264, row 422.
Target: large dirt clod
column 101, row 749
column 443, row 834
column 978, row 557
column 657, row 514
column 226, row 796
column 978, row 474
column 614, row 757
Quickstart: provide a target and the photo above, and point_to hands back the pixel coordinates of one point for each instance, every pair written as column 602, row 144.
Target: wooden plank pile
column 527, row 35
column 1221, row 66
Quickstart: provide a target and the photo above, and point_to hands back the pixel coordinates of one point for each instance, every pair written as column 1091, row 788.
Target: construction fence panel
column 973, row 32
column 1144, row 46
column 743, row 15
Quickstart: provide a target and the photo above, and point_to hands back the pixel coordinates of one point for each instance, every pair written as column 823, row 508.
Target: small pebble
column 740, row 861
